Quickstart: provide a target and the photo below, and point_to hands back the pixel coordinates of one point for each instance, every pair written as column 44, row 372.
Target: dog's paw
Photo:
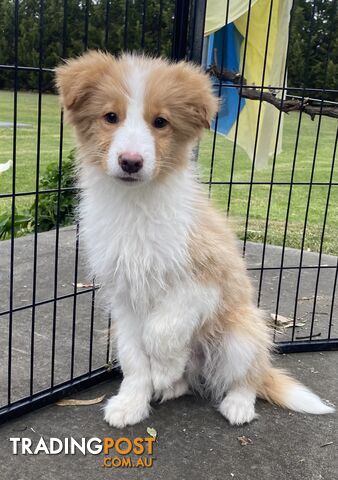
column 179, row 389
column 238, row 408
column 120, row 411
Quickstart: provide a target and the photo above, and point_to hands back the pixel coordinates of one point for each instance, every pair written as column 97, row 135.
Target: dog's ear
column 205, row 104
column 76, row 78
column 196, row 104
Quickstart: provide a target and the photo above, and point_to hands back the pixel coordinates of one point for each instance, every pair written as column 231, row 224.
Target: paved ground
column 43, row 314
column 194, row 441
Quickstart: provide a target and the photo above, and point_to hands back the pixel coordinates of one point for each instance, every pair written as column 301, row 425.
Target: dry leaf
column 152, row 432
column 285, row 322
column 84, row 285
column 244, row 440
column 327, row 444
column 280, row 320
column 66, row 402
column 290, row 325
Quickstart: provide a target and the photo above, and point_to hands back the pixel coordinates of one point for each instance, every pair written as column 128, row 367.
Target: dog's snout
column 130, row 162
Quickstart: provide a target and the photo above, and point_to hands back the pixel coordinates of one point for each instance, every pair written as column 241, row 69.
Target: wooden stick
column 294, row 105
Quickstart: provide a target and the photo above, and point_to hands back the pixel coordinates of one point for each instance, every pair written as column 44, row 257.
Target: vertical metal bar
column 57, row 229
column 257, row 128
column 92, row 318
column 238, row 108
column 12, row 256
column 159, row 28
column 108, row 339
column 196, row 36
column 180, row 30
column 37, row 179
column 211, row 172
column 106, row 23
column 144, row 19
column 76, row 267
column 86, row 25
column 126, row 17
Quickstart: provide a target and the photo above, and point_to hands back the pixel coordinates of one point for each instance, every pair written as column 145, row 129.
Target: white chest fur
column 136, row 238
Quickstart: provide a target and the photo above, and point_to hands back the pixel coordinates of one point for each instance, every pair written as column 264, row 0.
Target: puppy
column 171, row 271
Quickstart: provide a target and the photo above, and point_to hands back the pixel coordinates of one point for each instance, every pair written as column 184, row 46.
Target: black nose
column 130, row 165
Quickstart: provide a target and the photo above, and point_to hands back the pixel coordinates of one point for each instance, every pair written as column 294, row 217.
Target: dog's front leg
column 168, row 333
column 132, row 404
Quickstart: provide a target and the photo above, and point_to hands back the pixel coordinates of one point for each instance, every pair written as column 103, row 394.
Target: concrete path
column 44, row 313
column 194, row 441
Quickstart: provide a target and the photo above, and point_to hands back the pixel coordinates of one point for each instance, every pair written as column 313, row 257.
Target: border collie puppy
column 171, row 271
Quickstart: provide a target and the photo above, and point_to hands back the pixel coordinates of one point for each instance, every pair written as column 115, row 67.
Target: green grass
column 26, row 148
column 50, row 140
column 280, row 193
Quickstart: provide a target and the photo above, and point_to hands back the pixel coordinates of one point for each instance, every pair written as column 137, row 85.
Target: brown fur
column 94, row 85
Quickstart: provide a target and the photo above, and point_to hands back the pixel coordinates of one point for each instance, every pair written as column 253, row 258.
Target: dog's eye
column 160, row 122
column 111, row 117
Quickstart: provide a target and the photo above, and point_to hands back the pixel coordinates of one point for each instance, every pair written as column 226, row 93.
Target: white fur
column 301, row 399
column 238, row 407
column 221, row 364
column 134, row 134
column 137, row 244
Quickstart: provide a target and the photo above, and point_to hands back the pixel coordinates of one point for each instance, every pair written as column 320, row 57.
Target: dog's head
column 135, row 117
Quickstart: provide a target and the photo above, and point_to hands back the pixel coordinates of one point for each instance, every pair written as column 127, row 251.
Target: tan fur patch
column 90, row 87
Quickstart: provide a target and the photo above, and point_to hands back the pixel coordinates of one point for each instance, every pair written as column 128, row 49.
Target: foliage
column 106, row 30
column 21, row 224
column 49, row 209
column 313, row 36
column 313, row 45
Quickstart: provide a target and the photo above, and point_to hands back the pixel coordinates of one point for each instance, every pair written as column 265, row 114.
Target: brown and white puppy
column 172, row 274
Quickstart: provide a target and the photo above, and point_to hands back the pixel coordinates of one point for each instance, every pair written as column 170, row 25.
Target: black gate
column 53, row 336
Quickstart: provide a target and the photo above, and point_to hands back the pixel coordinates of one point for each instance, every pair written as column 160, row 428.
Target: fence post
column 188, row 30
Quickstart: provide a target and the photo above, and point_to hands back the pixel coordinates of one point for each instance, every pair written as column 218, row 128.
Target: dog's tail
column 281, row 389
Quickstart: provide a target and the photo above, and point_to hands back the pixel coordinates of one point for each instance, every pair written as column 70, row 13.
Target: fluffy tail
column 281, row 389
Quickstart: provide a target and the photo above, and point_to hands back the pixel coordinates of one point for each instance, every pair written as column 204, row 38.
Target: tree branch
column 294, row 105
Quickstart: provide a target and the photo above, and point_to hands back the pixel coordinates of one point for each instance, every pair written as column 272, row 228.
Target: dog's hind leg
column 235, row 363
column 238, row 406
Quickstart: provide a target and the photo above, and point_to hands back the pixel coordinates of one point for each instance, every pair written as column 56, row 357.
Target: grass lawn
column 50, row 140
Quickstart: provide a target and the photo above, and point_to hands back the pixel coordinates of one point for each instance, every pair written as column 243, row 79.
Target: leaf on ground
column 285, row 322
column 66, row 402
column 244, row 440
column 152, row 432
column 290, row 325
column 280, row 320
column 84, row 285
column 327, row 444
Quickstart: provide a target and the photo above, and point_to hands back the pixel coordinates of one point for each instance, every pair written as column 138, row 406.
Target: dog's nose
column 130, row 162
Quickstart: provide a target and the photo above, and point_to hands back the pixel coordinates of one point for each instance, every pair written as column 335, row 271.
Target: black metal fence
column 53, row 336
